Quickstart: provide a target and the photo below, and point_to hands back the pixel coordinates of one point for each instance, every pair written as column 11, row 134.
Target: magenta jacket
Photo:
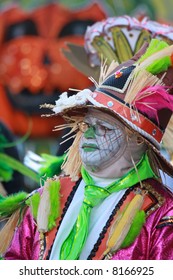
column 155, row 241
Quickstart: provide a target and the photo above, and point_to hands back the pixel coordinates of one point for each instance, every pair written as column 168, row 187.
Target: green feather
column 158, row 65
column 51, row 166
column 18, row 166
column 135, row 229
column 11, row 203
column 6, row 172
column 54, row 189
column 33, row 202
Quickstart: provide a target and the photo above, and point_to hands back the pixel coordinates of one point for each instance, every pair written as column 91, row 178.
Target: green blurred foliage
column 155, row 9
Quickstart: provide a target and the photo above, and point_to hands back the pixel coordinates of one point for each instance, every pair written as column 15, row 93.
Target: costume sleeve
column 155, row 241
column 25, row 242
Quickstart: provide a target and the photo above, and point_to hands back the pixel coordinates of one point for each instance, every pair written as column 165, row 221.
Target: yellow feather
column 121, row 228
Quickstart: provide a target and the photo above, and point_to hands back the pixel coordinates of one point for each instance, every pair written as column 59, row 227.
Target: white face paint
column 103, row 140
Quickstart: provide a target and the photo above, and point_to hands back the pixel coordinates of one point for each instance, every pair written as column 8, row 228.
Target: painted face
column 103, row 140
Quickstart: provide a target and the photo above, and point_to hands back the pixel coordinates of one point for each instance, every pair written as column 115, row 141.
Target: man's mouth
column 89, row 147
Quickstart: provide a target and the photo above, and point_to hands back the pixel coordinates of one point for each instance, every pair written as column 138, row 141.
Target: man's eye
column 108, row 129
column 105, row 128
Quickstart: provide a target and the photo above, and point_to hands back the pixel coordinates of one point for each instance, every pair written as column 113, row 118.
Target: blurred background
column 157, row 10
column 33, row 71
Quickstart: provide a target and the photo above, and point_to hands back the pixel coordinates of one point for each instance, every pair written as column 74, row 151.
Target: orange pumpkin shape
column 33, row 70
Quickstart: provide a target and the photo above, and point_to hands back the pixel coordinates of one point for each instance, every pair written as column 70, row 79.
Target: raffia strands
column 44, row 209
column 140, row 80
column 122, row 226
column 7, row 232
column 106, row 70
column 72, row 164
column 168, row 137
column 73, row 124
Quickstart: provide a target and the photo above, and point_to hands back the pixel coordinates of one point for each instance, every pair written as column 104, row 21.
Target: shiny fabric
column 74, row 243
column 152, row 243
column 25, row 244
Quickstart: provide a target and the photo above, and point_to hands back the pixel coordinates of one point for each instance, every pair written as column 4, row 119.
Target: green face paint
column 102, row 140
column 90, row 133
column 89, row 147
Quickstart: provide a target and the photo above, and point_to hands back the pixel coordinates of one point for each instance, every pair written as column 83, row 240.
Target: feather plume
column 54, row 190
column 151, row 99
column 162, row 63
column 11, row 203
column 166, row 52
column 140, row 81
column 135, row 229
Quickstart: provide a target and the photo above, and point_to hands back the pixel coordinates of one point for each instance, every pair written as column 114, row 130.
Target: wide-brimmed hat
column 118, row 38
column 138, row 93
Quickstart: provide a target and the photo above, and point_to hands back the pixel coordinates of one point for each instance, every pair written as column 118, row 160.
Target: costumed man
column 119, row 38
column 109, row 203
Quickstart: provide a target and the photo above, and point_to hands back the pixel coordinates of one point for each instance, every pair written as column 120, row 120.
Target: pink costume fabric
column 153, row 243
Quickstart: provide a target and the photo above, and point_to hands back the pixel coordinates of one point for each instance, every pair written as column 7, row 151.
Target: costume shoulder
column 158, row 204
column 43, row 203
column 14, row 207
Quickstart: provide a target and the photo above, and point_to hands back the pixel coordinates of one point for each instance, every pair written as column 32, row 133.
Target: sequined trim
column 156, row 199
column 42, row 245
column 165, row 221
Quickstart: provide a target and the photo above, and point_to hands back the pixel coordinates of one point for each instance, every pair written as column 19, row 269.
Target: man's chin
column 91, row 167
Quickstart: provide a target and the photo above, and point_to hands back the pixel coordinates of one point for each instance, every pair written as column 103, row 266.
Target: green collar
column 142, row 172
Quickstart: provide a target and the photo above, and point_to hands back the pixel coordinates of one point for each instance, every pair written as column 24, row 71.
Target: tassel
column 122, row 226
column 49, row 206
column 44, row 209
column 48, row 211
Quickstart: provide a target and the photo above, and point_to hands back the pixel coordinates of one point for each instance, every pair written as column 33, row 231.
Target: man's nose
column 90, row 133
